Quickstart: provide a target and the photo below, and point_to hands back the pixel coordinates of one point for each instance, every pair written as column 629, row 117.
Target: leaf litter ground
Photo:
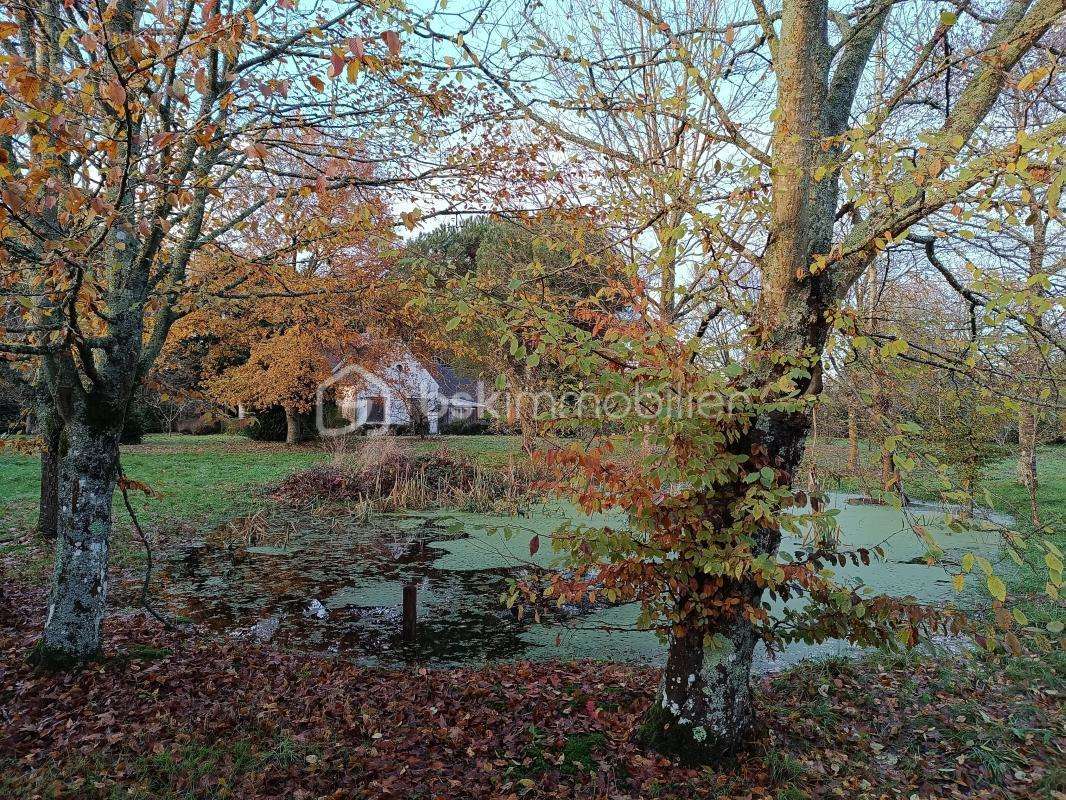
column 166, row 715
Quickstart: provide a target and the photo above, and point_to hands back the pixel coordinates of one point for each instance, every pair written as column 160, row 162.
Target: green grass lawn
column 202, row 480
column 1013, row 498
column 205, row 480
column 198, row 482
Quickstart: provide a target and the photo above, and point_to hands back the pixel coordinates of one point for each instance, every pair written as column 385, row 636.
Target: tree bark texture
column 853, row 441
column 1027, row 440
column 79, row 583
column 292, row 426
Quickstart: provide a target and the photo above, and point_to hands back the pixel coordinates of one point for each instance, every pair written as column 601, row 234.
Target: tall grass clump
column 383, row 473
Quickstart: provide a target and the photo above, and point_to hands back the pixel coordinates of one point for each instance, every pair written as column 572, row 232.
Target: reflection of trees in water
column 439, row 615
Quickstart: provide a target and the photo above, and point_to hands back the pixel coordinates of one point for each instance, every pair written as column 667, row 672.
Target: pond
column 426, row 588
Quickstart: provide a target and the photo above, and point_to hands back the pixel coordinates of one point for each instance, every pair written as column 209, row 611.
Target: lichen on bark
column 79, row 580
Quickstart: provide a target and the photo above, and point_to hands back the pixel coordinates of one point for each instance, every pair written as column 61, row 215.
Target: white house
column 402, row 389
column 395, row 394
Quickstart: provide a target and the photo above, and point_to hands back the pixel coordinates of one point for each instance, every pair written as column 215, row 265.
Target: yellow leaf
column 957, row 581
column 997, row 588
column 1054, row 563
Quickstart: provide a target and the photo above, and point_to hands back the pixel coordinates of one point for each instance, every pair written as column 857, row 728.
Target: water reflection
column 426, row 588
column 383, row 594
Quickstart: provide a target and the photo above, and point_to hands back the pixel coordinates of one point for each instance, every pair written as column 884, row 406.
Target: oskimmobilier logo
column 367, row 399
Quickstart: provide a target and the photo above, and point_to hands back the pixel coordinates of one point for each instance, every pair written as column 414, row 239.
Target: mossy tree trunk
column 704, row 709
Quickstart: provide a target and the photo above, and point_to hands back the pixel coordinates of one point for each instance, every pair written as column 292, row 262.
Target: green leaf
column 896, row 347
column 1054, row 192
column 948, row 18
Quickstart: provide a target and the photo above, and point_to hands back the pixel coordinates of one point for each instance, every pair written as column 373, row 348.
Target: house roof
column 450, row 382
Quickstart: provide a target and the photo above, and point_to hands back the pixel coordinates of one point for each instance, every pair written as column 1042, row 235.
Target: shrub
column 207, row 423
column 269, row 426
column 464, row 427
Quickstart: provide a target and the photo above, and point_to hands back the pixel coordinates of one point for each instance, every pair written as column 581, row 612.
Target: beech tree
column 318, row 289
column 841, row 143
column 1013, row 241
column 125, row 131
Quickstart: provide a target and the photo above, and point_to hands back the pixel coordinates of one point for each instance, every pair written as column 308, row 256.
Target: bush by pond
column 386, row 474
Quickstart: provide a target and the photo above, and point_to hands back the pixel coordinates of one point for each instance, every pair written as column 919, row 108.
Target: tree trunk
column 1034, row 507
column 1027, row 425
column 968, row 504
column 853, row 441
column 889, row 475
column 292, row 426
column 51, row 425
column 703, row 710
column 1027, row 439
column 79, row 580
